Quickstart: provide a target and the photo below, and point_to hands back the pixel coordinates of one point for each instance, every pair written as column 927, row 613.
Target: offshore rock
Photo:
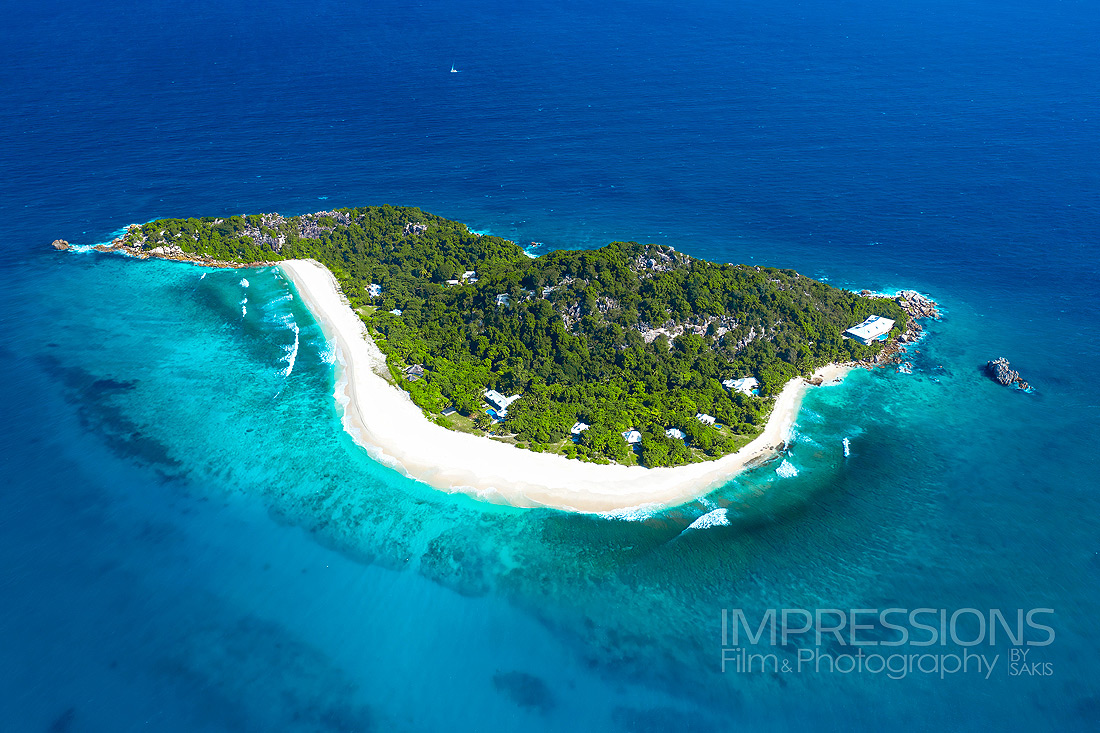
column 1000, row 371
column 60, row 244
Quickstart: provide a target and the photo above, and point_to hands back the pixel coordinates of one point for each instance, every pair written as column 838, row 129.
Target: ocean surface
column 190, row 542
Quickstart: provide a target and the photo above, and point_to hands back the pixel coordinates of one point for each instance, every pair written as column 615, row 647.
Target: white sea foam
column 245, row 300
column 804, row 439
column 806, row 415
column 716, row 518
column 710, row 505
column 244, row 311
column 117, row 234
column 786, row 469
column 632, row 514
column 291, row 354
column 202, row 276
column 244, row 283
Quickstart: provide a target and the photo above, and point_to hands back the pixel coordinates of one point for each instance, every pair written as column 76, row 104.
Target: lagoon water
column 189, row 541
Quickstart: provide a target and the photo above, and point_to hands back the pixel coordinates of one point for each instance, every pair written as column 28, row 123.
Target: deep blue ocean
column 190, row 542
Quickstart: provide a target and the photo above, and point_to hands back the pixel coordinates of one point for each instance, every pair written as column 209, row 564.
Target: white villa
column 632, row 436
column 374, row 290
column 504, row 299
column 500, row 402
column 470, row 276
column 870, row 330
column 452, row 283
column 676, row 433
column 744, row 385
column 396, row 311
column 704, row 418
column 579, row 427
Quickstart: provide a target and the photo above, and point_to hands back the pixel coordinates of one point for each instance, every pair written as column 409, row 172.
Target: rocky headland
column 916, row 307
column 131, row 245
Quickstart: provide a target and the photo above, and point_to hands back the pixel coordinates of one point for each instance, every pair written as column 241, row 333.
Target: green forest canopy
column 577, row 335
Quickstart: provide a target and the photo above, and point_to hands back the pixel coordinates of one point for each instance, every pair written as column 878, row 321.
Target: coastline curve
column 383, row 419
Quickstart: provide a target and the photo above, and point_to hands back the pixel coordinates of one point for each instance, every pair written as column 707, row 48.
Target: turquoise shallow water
column 227, row 544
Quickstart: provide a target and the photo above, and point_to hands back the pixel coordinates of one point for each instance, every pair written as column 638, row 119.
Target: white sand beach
column 384, row 420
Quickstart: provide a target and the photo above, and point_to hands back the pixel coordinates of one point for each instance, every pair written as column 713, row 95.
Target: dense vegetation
column 626, row 336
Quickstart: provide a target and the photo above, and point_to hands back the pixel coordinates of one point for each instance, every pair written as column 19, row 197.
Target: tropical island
column 631, row 354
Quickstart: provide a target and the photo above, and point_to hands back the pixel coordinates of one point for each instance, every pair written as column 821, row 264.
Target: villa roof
column 871, row 328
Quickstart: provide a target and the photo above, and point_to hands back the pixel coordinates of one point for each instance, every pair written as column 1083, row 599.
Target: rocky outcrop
column 1001, row 372
column 60, row 244
column 174, row 253
column 916, row 305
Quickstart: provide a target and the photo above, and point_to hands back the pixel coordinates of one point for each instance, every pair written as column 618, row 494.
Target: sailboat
column 453, row 69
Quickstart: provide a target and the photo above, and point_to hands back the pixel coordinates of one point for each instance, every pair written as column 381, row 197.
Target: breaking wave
column 716, row 518
column 291, row 353
column 244, row 283
column 632, row 514
column 286, row 319
column 786, row 469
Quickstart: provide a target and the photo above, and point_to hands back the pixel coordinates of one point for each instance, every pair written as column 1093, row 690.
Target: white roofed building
column 676, row 433
column 579, row 427
column 871, row 330
column 632, row 436
column 374, row 290
column 744, row 385
column 499, row 401
column 704, row 418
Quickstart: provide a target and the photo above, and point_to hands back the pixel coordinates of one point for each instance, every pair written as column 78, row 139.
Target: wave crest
column 716, row 518
column 786, row 469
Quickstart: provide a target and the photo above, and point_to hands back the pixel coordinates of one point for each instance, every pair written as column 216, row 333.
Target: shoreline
column 383, row 419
